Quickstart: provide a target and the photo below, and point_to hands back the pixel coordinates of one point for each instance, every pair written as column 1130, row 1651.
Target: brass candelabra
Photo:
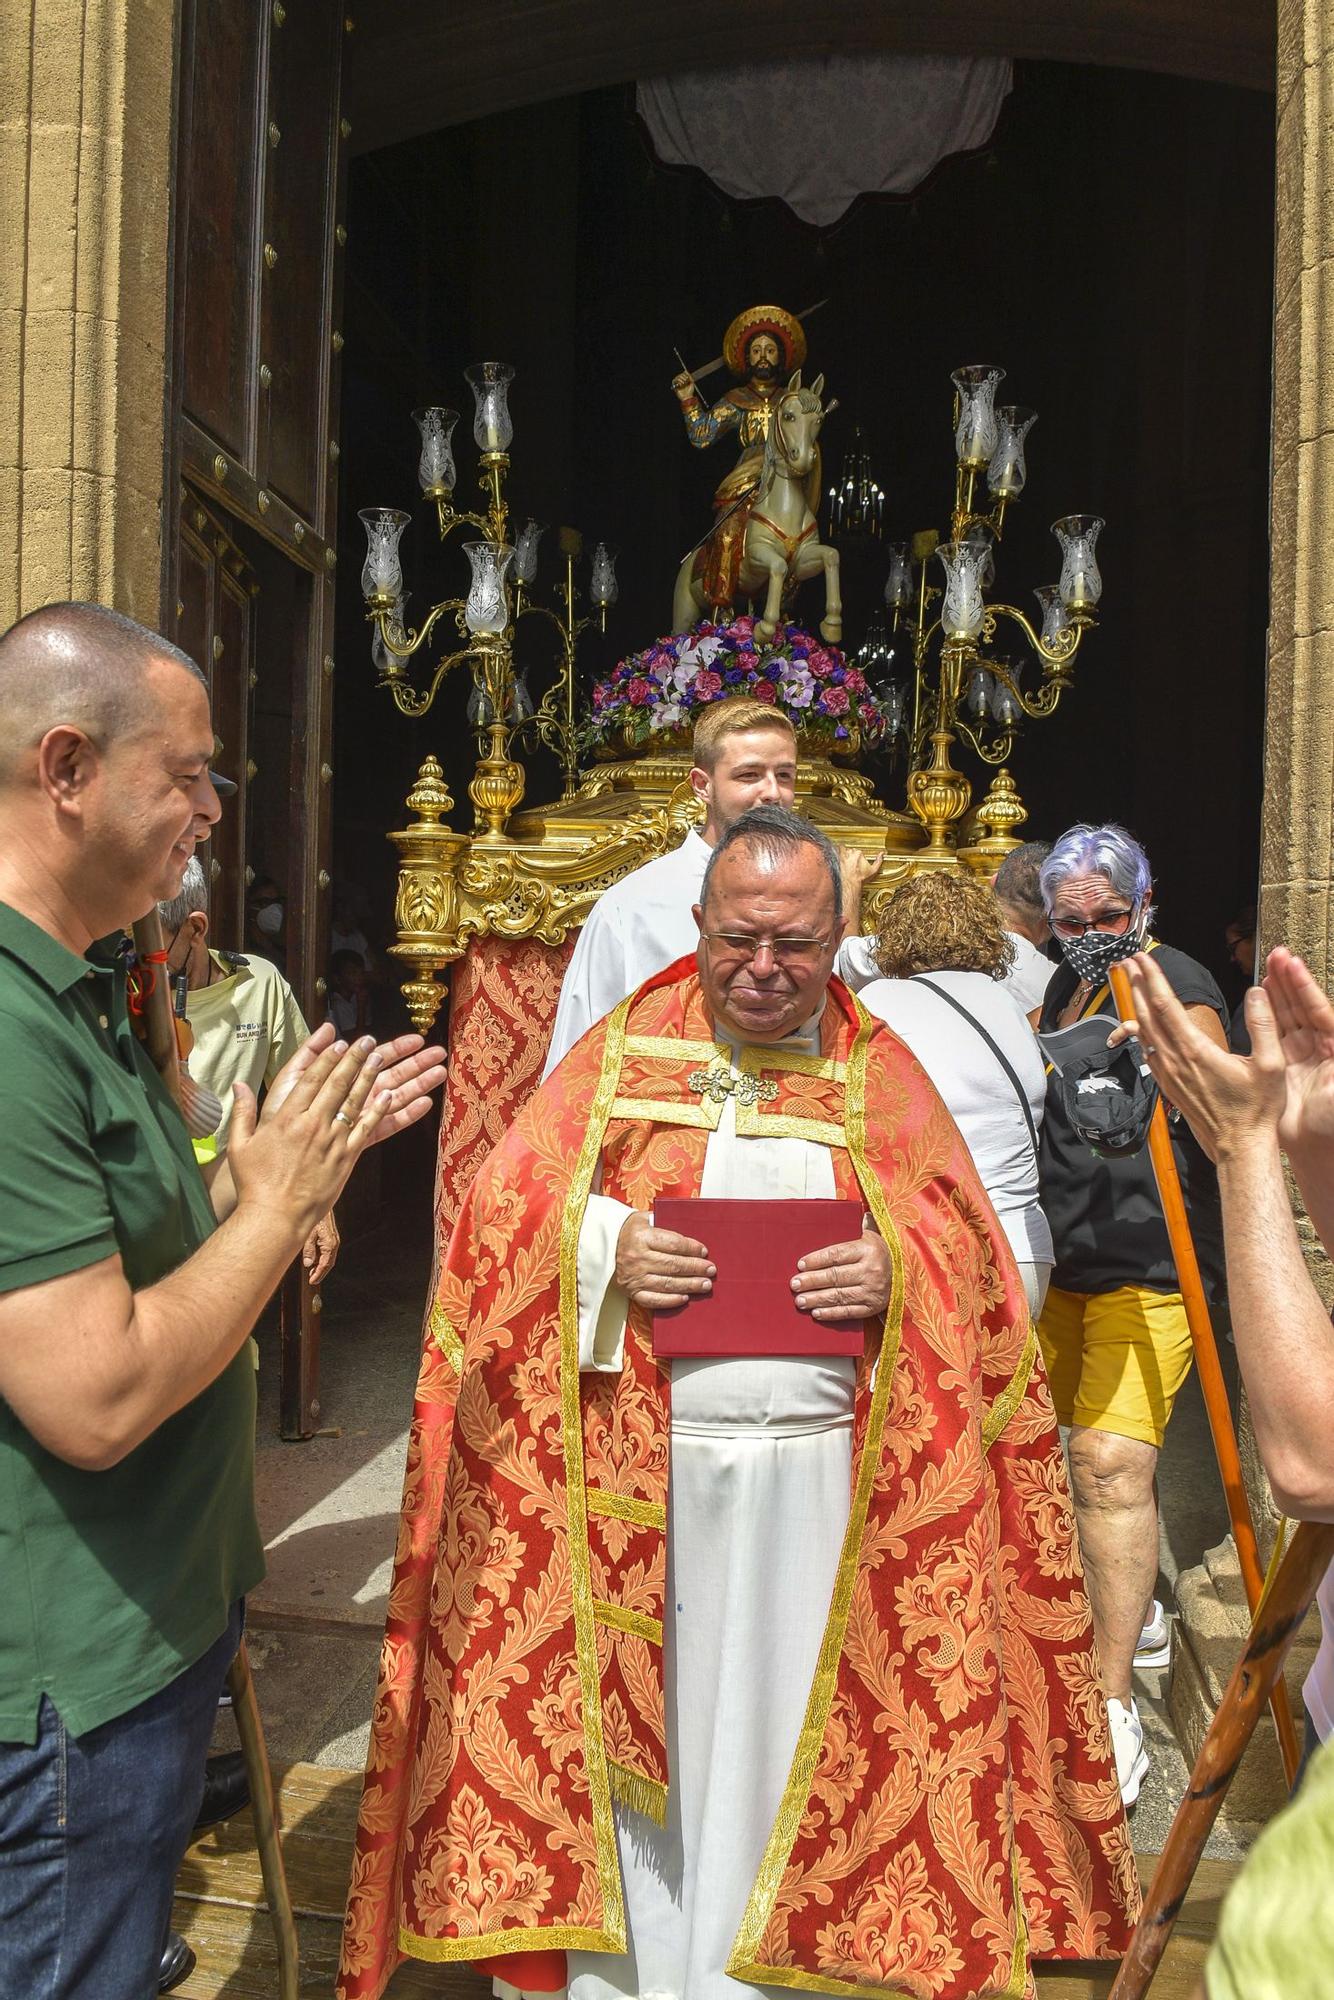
column 487, row 618
column 962, row 686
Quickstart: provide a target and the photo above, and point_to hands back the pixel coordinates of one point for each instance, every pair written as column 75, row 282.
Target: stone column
column 86, row 116
column 1297, row 836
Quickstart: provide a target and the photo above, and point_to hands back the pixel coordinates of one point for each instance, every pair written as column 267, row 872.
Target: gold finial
column 1001, row 811
column 430, row 798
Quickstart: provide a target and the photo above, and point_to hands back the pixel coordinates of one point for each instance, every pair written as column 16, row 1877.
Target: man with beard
column 761, row 1666
column 762, row 347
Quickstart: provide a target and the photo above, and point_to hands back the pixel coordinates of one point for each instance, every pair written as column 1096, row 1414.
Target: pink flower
column 640, row 692
column 820, row 663
column 764, row 690
column 834, row 700
column 707, row 684
column 743, row 626
column 854, row 681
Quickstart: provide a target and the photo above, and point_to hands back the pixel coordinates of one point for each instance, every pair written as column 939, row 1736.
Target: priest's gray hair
column 776, row 831
column 191, row 896
column 1097, row 850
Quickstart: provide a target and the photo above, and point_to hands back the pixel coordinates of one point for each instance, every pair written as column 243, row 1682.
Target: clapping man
column 128, row 1288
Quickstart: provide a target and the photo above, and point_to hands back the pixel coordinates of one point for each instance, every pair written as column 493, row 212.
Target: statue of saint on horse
column 764, row 535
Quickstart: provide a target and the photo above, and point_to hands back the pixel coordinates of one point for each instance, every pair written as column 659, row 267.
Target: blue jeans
column 92, row 1832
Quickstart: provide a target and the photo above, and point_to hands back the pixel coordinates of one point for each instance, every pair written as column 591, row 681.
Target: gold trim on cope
column 495, row 1944
column 446, row 1336
column 625, row 1507
column 637, row 1623
column 576, row 1505
column 638, row 1793
column 1012, row 1395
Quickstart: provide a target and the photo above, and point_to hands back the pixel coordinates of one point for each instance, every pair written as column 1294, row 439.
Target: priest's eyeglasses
column 1112, row 923
column 787, row 951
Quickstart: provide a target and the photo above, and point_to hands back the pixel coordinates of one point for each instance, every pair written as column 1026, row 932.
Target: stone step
column 220, row 1908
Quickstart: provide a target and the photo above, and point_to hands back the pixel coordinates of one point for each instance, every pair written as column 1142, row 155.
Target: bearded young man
column 762, row 1669
column 745, row 754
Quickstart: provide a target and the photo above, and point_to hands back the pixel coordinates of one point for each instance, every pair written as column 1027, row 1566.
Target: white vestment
column 640, row 926
column 758, row 1497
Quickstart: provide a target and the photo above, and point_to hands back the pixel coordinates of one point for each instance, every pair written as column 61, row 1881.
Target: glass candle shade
column 1007, row 471
column 603, row 589
column 1055, row 619
column 961, row 613
column 435, row 467
column 1081, row 580
column 525, row 552
column 975, row 428
column 892, row 701
column 898, row 584
column 490, row 381
column 381, row 658
column 980, row 536
column 487, row 609
column 382, row 572
column 1005, row 708
column 978, row 696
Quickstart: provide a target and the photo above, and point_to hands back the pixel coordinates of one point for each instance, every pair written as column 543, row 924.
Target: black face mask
column 1091, row 955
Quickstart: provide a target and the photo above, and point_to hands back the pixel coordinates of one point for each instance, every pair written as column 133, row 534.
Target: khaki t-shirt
column 246, row 1026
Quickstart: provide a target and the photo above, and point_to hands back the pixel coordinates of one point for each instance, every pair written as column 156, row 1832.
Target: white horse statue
column 780, row 549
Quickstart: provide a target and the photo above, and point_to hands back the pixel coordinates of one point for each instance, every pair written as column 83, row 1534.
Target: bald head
column 78, row 665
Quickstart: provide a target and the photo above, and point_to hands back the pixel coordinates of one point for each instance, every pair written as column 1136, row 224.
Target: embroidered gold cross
column 720, row 1083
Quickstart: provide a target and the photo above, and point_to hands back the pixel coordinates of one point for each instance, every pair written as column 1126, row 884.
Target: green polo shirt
column 111, row 1583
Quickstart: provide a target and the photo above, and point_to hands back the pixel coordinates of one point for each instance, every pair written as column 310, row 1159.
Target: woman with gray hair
column 1113, row 1329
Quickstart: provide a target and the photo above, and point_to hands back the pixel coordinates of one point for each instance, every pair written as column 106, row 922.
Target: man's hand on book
column 847, row 1281
column 658, row 1268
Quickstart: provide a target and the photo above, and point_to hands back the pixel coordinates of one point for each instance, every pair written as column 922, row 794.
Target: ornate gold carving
column 999, row 818
column 939, row 795
column 718, row 1083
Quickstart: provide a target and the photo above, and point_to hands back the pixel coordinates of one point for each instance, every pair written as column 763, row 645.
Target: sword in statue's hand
column 720, row 360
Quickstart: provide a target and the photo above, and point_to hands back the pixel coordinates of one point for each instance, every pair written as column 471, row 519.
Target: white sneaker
column 1132, row 1759
column 1155, row 1645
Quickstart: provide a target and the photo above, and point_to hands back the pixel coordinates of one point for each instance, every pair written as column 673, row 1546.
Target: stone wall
column 86, row 107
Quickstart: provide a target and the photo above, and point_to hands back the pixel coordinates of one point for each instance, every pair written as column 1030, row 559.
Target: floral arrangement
column 663, row 688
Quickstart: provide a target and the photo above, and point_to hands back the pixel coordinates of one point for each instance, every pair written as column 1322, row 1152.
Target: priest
column 757, row 1669
column 744, row 754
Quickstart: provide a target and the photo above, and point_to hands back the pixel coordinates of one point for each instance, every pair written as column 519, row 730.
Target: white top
column 980, row 1097
column 1028, row 978
column 1318, row 1688
column 640, row 925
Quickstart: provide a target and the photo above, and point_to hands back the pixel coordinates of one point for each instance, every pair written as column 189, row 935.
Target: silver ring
column 343, row 1115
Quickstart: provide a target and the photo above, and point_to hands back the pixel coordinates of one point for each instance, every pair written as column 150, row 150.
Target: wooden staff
column 160, row 1040
column 1259, row 1673
column 1211, row 1375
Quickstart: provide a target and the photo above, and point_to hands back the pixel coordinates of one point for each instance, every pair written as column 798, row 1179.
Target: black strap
column 996, row 1051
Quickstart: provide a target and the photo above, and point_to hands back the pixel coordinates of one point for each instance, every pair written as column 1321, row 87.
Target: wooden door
column 258, row 238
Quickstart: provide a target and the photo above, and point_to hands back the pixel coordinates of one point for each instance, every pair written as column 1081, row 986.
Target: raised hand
column 1304, row 1022
column 1227, row 1100
column 658, row 1268
column 409, row 1073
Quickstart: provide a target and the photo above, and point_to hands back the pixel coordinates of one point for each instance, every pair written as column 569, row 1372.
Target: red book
column 752, row 1308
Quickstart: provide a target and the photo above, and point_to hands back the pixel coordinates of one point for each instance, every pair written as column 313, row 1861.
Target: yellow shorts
column 1115, row 1360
